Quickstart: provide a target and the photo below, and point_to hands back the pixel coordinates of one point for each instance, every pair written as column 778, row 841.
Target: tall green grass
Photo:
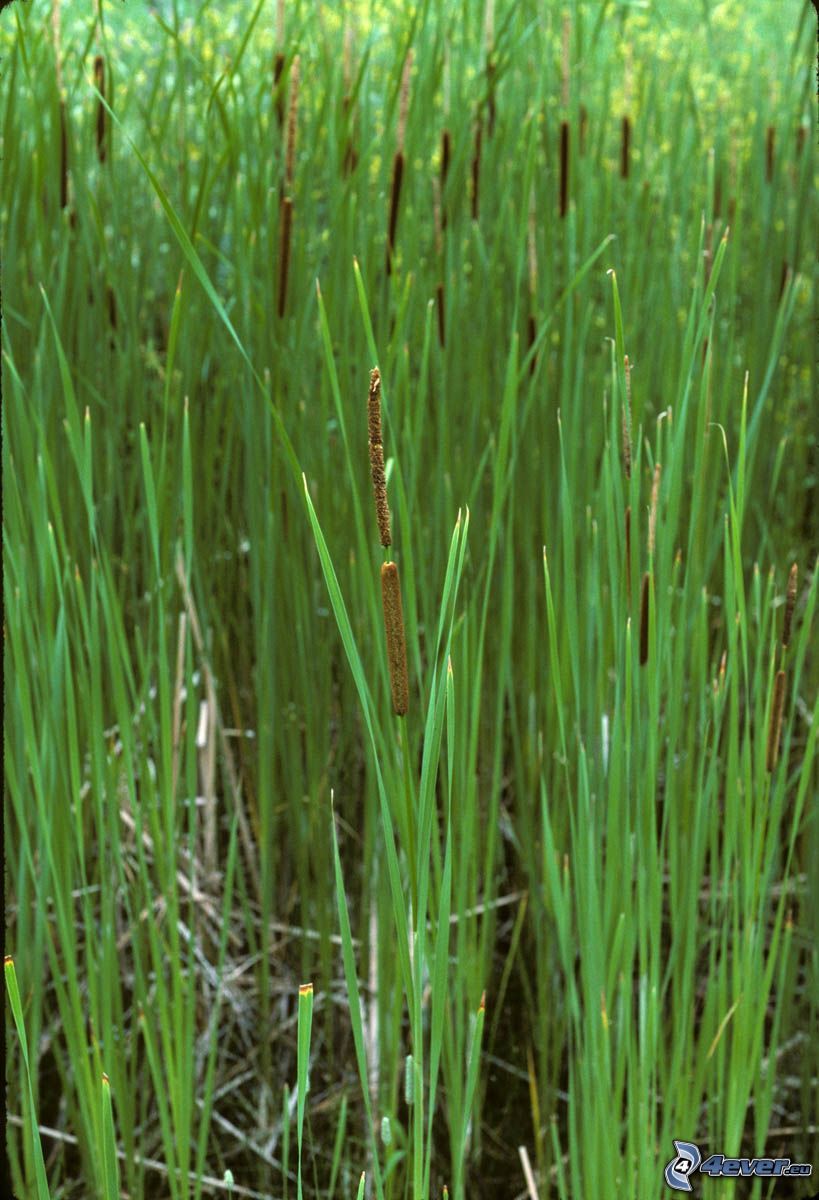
column 563, row 903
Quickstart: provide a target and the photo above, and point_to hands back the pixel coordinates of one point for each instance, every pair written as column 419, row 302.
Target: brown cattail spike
column 285, row 229
column 395, row 199
column 770, row 144
column 99, row 80
column 790, row 604
column 644, row 601
column 382, row 511
column 564, row 167
column 63, row 157
column 446, row 154
column 278, row 92
column 624, row 147
column 476, row 171
column 396, row 641
column 775, row 724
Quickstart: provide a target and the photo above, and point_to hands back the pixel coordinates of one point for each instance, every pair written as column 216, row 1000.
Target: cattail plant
column 476, row 169
column 99, row 80
column 390, row 583
column 382, row 511
column 286, row 205
column 775, row 722
column 770, row 147
column 446, row 154
column 790, row 605
column 398, row 163
column 625, row 143
column 645, row 593
column 564, row 168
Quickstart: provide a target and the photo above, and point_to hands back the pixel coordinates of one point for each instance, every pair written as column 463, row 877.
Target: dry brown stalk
column 382, row 511
column 396, row 641
column 790, row 604
column 775, row 724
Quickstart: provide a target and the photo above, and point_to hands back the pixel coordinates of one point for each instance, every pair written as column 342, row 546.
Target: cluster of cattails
column 286, row 204
column 778, row 697
column 398, row 163
column 390, row 582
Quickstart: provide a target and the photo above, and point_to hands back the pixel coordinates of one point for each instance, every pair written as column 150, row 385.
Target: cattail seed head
column 99, row 80
column 790, row 604
column 285, row 229
column 625, row 142
column 382, row 511
column 770, row 145
column 278, row 92
column 396, row 640
column 564, row 168
column 644, row 602
column 775, row 723
column 395, row 199
column 476, row 170
column 439, row 293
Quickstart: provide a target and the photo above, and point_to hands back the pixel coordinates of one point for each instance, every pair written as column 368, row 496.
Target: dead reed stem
column 775, row 724
column 382, row 511
column 396, row 641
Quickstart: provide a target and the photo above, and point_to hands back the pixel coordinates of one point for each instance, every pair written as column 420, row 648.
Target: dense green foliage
column 586, row 813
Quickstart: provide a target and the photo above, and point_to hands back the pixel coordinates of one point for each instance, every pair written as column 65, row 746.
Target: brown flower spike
column 382, row 510
column 396, row 641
